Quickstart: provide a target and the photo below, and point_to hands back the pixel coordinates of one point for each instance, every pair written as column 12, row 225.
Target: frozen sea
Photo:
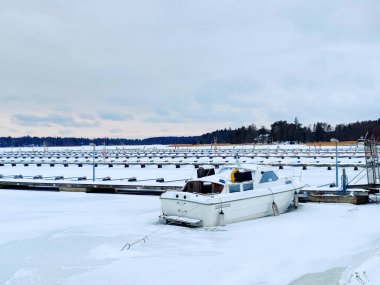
column 76, row 238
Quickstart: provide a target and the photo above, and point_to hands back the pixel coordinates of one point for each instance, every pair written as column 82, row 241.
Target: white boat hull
column 216, row 210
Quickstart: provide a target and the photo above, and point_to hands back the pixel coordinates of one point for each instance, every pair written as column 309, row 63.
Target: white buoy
column 221, row 218
column 296, row 200
column 275, row 209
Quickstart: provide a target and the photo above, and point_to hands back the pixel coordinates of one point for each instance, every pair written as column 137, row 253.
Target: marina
column 189, row 142
column 72, row 213
column 106, row 170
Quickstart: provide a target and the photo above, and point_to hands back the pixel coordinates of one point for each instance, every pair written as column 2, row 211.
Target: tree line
column 73, row 141
column 280, row 131
column 283, row 131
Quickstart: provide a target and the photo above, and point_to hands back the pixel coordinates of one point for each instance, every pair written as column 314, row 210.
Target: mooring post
column 93, row 161
column 344, row 181
column 336, row 161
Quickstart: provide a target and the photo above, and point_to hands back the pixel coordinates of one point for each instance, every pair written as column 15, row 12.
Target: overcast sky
column 135, row 69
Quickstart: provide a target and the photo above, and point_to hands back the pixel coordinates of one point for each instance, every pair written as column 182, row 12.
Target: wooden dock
column 137, row 189
column 355, row 196
column 182, row 157
column 179, row 164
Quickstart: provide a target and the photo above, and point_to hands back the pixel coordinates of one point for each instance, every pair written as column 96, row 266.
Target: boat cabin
column 246, row 180
column 234, row 179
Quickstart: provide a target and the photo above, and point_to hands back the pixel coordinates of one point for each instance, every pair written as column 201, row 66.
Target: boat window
column 247, row 186
column 268, row 176
column 203, row 187
column 217, row 188
column 243, row 176
column 234, row 188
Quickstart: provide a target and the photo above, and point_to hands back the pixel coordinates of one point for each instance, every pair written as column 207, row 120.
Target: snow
column 365, row 273
column 76, row 238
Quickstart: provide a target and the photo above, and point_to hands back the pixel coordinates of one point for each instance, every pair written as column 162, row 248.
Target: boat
column 233, row 194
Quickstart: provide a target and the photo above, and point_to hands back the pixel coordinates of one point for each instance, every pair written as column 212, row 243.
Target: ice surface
column 76, row 238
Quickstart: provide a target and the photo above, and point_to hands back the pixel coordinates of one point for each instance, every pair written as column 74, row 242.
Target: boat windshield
column 229, row 169
column 224, row 169
column 268, row 176
column 203, row 187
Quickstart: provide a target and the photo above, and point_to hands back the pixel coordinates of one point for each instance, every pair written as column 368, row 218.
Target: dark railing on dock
column 88, row 187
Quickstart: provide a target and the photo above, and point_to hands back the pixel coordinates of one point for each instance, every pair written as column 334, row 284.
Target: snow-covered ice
column 76, row 238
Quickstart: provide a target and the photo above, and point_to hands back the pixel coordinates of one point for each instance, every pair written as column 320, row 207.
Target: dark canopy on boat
column 203, row 187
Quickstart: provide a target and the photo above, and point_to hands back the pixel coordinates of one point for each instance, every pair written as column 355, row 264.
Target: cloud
column 51, row 120
column 65, row 132
column 87, row 116
column 165, row 116
column 12, row 130
column 116, row 131
column 113, row 116
column 31, row 120
column 187, row 64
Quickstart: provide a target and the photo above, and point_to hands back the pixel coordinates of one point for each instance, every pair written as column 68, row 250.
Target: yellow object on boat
column 232, row 178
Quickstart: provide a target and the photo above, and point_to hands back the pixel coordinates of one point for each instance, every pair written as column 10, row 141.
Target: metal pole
column 336, row 161
column 93, row 162
column 344, row 185
column 336, row 164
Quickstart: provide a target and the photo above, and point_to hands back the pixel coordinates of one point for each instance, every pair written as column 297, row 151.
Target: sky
column 137, row 69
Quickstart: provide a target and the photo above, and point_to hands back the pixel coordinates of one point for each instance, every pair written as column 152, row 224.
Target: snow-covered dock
column 179, row 164
column 333, row 195
column 308, row 194
column 154, row 170
column 88, row 187
column 350, row 156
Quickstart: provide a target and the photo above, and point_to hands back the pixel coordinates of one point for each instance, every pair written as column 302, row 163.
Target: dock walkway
column 88, row 187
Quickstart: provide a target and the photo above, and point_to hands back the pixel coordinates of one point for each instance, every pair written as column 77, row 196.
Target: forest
column 280, row 131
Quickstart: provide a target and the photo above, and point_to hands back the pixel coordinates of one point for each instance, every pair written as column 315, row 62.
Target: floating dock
column 309, row 194
column 355, row 196
column 89, row 187
column 183, row 157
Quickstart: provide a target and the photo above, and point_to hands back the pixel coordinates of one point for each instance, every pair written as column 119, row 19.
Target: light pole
column 336, row 161
column 93, row 161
